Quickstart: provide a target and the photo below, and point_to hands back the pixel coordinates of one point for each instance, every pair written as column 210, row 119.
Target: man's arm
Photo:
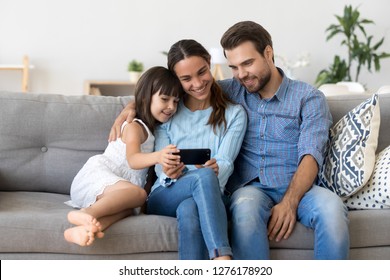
column 127, row 114
column 283, row 215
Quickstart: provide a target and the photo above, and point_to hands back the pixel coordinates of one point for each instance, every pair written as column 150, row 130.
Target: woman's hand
column 127, row 114
column 174, row 172
column 212, row 163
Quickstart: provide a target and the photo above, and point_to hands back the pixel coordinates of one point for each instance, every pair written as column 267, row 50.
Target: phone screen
column 194, row 156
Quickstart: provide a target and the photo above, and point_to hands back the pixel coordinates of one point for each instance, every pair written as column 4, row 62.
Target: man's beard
column 261, row 83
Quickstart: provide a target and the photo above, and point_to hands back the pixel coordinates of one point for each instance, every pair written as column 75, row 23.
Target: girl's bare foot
column 226, row 258
column 79, row 235
column 82, row 218
column 99, row 234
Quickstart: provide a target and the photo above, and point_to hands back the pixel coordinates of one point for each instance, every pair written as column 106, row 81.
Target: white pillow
column 350, row 157
column 376, row 193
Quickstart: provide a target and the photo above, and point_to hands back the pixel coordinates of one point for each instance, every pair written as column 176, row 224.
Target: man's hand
column 282, row 221
column 127, row 114
column 284, row 214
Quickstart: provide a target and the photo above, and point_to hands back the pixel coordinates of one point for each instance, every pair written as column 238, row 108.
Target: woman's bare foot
column 82, row 218
column 79, row 235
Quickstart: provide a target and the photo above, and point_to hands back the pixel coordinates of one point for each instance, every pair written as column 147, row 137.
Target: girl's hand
column 212, row 163
column 166, row 157
column 174, row 172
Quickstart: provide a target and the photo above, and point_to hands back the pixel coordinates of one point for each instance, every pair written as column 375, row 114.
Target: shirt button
column 44, row 149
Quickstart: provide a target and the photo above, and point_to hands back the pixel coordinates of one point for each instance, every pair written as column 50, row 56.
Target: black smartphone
column 194, row 156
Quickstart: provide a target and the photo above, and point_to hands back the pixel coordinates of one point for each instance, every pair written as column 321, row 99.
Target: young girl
column 110, row 185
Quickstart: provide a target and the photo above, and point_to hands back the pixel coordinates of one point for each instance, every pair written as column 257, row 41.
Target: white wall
column 74, row 40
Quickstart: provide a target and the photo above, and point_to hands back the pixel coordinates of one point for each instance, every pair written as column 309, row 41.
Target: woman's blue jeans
column 320, row 209
column 196, row 193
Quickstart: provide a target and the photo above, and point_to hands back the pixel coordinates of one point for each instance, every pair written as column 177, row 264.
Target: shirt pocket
column 284, row 128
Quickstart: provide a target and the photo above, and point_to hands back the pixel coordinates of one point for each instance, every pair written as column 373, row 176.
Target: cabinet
column 107, row 87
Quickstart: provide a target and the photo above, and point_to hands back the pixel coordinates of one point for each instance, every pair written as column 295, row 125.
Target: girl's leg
column 83, row 237
column 107, row 221
column 203, row 186
column 116, row 202
column 116, row 198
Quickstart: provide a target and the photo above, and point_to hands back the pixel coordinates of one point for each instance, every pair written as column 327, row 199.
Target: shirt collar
column 281, row 92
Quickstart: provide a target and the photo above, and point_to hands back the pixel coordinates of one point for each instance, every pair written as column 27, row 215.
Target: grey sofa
column 46, row 138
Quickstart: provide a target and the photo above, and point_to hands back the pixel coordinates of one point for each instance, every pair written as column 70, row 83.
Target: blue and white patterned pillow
column 376, row 193
column 350, row 157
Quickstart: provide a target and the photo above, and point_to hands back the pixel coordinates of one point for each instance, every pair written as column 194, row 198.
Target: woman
column 205, row 118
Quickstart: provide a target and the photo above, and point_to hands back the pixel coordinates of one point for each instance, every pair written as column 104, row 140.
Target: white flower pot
column 134, row 76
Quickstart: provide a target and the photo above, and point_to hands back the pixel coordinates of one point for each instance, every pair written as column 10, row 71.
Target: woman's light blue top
column 187, row 129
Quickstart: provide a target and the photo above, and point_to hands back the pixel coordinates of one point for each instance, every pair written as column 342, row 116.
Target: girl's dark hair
column 245, row 31
column 155, row 79
column 219, row 101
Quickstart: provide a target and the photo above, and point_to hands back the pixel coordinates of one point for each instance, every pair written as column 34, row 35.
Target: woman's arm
column 231, row 143
column 127, row 114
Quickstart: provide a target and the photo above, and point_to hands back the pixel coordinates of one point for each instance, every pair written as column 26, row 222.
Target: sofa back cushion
column 45, row 138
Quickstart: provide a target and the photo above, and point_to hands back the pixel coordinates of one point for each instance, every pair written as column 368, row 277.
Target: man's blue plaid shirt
column 281, row 130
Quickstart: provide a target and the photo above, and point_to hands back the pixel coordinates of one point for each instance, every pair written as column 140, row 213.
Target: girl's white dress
column 106, row 169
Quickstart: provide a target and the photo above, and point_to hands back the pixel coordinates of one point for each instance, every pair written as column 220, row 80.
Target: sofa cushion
column 350, row 155
column 36, row 221
column 340, row 105
column 376, row 193
column 46, row 138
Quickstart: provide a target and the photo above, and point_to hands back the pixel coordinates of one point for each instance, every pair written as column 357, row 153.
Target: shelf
column 24, row 68
column 109, row 87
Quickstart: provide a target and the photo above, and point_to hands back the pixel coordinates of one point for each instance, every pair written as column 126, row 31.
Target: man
column 273, row 182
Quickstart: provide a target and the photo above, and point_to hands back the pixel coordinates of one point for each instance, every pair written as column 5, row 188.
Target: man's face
column 250, row 67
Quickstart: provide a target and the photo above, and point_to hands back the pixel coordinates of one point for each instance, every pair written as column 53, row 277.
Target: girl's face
column 163, row 106
column 195, row 77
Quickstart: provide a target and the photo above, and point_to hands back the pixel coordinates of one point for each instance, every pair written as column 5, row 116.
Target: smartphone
column 194, row 156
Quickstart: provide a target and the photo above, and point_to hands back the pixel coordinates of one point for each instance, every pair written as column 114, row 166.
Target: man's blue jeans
column 320, row 209
column 196, row 193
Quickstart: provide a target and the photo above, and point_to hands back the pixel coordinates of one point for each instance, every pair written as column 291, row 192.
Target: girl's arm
column 133, row 136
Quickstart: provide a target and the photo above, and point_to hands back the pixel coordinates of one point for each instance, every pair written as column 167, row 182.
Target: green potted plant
column 361, row 51
column 135, row 69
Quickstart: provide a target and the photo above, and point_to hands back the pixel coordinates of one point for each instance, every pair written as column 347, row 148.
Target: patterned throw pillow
column 350, row 157
column 376, row 193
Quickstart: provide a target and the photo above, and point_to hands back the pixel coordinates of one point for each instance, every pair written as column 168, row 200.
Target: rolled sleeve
column 316, row 122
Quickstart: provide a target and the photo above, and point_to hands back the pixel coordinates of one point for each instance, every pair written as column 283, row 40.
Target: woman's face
column 195, row 77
